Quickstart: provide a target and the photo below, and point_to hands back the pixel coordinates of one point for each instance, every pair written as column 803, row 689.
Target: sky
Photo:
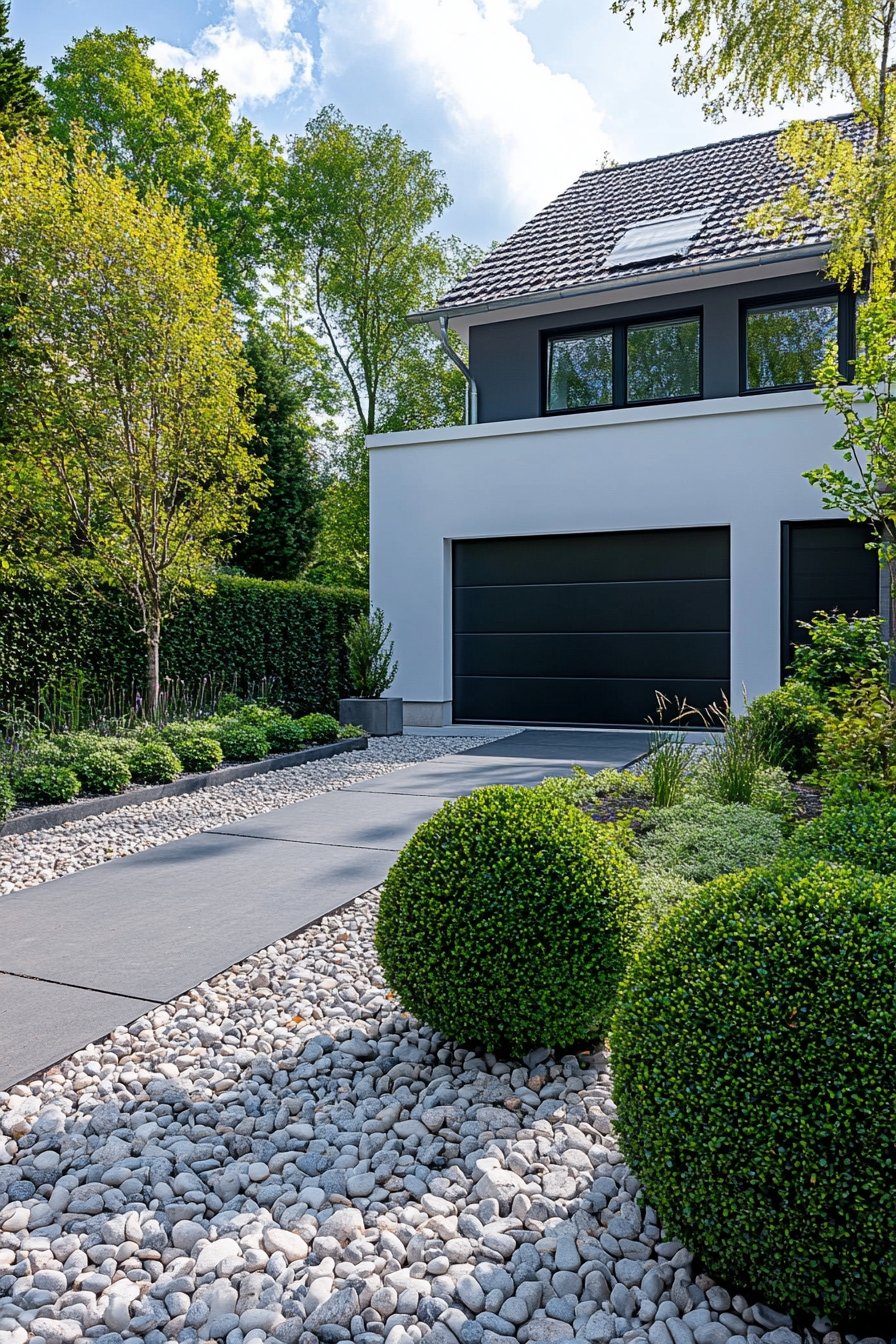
column 513, row 98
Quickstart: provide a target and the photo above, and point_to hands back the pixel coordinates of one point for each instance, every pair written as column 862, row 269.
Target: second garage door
column 586, row 629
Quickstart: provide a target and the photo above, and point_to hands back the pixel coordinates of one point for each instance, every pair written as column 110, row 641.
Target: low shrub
column 319, row 728
column 286, row 735
column 347, row 730
column 787, row 724
column 862, row 744
column 7, row 796
column 770, row 788
column 242, row 741
column 856, row 827
column 227, row 703
column 261, row 716
column 580, row 788
column 102, row 771
column 700, row 840
column 194, row 744
column 839, row 651
column 501, row 921
column 38, row 785
column 44, row 751
column 753, row 1077
column 153, row 762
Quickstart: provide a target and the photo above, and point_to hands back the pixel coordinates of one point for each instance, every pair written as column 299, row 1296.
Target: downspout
column 472, row 390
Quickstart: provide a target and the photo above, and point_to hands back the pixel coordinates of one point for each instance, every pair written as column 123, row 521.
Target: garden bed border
column 41, row 819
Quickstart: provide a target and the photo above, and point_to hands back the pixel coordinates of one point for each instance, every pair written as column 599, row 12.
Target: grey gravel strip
column 281, row 1154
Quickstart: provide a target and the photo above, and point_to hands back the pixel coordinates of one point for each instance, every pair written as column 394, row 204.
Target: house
column 626, row 512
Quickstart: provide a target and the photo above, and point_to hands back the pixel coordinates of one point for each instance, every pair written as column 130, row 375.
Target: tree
column 128, row 417
column 169, row 131
column 21, row 105
column 281, row 534
column 358, row 204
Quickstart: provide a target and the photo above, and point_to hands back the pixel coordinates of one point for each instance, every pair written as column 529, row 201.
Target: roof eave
column 450, row 311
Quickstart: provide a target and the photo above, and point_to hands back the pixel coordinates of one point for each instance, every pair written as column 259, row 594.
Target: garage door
column 827, row 567
column 586, row 629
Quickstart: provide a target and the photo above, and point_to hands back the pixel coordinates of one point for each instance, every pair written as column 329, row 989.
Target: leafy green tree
column 281, row 534
column 131, row 414
column 21, row 105
column 358, row 206
column 169, row 131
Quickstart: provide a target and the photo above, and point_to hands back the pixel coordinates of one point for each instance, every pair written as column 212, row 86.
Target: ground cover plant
column 502, row 921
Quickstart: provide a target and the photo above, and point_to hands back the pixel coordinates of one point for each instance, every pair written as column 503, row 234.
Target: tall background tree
column 169, row 131
column 359, row 208
column 281, row 535
column 129, row 420
column 21, row 104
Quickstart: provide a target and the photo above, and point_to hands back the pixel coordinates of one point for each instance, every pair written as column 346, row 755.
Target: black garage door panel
column 661, row 605
column 826, row 568
column 535, row 700
column 685, row 553
column 586, row 629
column 606, row 656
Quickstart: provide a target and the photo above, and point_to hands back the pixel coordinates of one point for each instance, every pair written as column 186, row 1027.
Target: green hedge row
column 247, row 630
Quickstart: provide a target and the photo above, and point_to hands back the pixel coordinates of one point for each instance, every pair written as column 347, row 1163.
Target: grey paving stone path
column 83, row 954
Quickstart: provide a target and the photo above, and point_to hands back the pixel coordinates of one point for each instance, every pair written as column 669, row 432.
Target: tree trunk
column 153, row 641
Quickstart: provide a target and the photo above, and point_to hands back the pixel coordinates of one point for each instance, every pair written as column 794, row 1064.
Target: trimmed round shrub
column 501, row 921
column 319, row 728
column 700, row 840
column 261, row 715
column 242, row 741
column 38, row 785
column 45, row 751
column 153, row 762
column 102, row 771
column 787, row 725
column 200, row 752
column 857, row 828
column 753, row 1056
column 7, row 797
column 286, row 735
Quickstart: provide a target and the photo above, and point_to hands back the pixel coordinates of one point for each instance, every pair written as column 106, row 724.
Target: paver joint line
column 88, row 989
column 287, row 840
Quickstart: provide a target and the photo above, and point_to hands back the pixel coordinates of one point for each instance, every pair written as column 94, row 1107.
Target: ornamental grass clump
column 501, row 923
column 754, row 1047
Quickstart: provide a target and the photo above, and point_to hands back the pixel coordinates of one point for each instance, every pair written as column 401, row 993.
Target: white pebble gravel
column 39, row 856
column 283, row 1155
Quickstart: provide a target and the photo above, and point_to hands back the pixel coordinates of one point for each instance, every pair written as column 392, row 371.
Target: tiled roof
column 567, row 244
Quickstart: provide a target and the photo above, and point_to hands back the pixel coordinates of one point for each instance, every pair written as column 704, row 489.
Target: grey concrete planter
column 42, row 818
column 382, row 717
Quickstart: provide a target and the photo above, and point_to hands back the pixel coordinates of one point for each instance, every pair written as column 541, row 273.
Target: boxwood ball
column 501, row 921
column 754, row 1057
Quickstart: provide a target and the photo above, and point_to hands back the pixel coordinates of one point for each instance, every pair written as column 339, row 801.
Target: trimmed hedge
column 246, row 629
column 502, row 921
column 754, row 1048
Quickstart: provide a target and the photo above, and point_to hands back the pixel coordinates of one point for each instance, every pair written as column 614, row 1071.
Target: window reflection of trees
column 785, row 345
column 581, row 372
column 664, row 360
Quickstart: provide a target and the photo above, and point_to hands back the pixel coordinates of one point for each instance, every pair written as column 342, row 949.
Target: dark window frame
column 846, row 332
column 619, row 328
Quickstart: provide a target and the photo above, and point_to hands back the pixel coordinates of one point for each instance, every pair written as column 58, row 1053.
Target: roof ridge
column 698, row 149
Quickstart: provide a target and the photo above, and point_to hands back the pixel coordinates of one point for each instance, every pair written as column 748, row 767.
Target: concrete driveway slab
column 366, row 821
column 158, row 922
column 42, row 1023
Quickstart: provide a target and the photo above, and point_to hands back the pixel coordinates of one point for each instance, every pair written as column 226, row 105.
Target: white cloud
column 254, row 49
column 520, row 130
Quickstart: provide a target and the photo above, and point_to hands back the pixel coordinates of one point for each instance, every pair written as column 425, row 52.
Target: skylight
column 658, row 239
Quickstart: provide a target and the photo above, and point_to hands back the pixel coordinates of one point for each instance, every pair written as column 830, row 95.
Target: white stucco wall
column 735, row 462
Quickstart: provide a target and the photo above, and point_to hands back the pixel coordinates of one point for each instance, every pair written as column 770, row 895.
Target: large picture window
column 580, row 371
column 623, row 364
column 786, row 342
column 663, row 360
